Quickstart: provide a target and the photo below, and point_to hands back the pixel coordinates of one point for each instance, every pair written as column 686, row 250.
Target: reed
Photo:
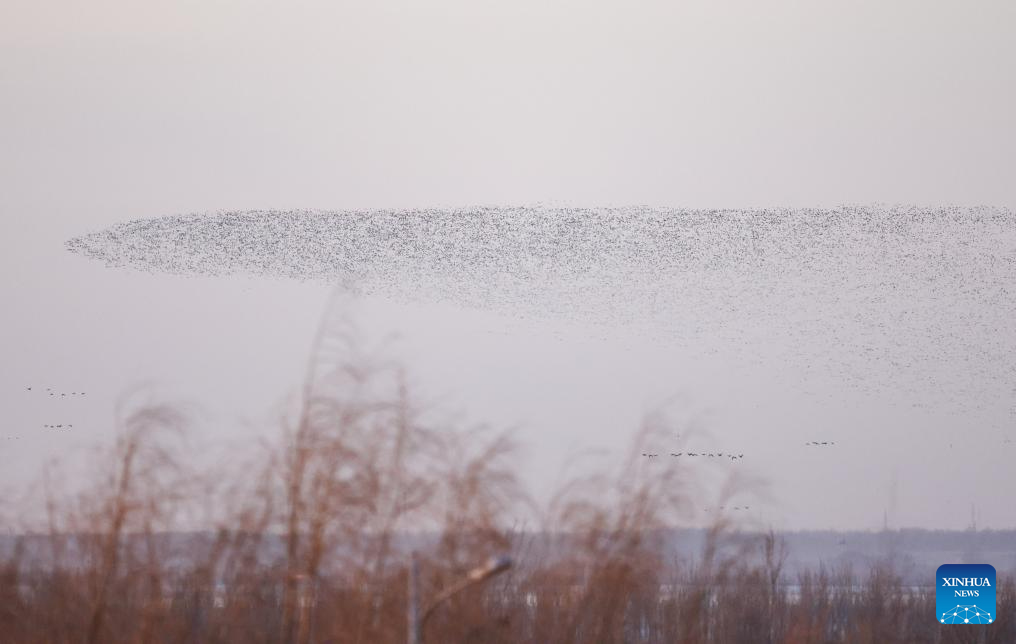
column 311, row 542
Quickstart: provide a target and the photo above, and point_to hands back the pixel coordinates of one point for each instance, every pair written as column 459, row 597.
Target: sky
column 113, row 111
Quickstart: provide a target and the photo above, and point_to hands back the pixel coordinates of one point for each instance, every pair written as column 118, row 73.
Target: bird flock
column 732, row 457
column 49, row 392
column 63, row 394
column 853, row 292
column 727, row 455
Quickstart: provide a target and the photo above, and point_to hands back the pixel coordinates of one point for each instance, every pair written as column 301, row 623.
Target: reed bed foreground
column 310, row 542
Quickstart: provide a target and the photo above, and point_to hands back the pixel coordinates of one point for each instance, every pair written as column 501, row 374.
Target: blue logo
column 965, row 594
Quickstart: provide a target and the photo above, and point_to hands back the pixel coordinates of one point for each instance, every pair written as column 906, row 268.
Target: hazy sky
column 118, row 110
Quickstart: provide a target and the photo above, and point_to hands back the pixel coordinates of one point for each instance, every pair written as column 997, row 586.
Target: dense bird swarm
column 920, row 300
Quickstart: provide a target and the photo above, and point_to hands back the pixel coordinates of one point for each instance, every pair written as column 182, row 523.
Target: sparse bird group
column 735, row 457
column 62, row 395
column 732, row 457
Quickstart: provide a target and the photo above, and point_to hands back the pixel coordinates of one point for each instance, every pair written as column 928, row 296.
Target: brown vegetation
column 313, row 544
